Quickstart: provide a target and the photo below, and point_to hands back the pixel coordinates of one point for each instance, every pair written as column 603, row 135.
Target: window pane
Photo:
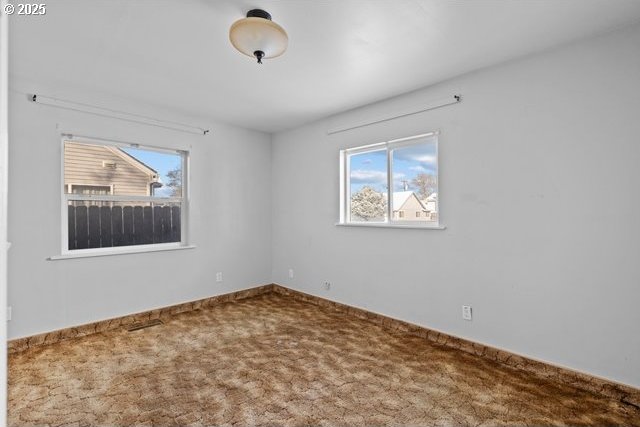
column 102, row 224
column 415, row 181
column 107, row 169
column 368, row 186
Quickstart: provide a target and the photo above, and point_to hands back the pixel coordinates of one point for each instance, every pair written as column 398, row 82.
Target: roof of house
column 401, row 197
column 137, row 162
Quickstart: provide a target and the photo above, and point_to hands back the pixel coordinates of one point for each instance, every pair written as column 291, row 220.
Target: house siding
column 84, row 166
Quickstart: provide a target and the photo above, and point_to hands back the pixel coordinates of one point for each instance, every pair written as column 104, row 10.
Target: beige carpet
column 272, row 360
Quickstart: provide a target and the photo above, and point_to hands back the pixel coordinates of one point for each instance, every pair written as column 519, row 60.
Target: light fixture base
column 259, row 13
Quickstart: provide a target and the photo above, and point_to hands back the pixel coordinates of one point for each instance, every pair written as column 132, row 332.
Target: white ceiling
column 342, row 53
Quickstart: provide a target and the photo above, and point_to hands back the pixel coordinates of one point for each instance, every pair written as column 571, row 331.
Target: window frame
column 184, row 201
column 388, row 147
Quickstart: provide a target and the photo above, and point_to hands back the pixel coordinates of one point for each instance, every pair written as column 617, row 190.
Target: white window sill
column 89, row 253
column 379, row 225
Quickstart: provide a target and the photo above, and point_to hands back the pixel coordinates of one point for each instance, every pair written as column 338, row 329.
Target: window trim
column 184, row 242
column 389, row 147
column 121, row 250
column 75, row 184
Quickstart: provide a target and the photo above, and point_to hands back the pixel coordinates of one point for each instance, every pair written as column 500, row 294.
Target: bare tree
column 426, row 184
column 368, row 204
column 175, row 182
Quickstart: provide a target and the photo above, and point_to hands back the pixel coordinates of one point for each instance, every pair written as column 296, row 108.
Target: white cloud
column 425, row 154
column 424, row 158
column 363, row 176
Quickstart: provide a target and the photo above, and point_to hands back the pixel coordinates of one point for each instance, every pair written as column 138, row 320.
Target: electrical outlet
column 327, row 285
column 219, row 276
column 9, row 313
column 291, row 273
column 466, row 312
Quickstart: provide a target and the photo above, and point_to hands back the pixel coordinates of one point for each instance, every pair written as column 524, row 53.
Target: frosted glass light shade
column 250, row 35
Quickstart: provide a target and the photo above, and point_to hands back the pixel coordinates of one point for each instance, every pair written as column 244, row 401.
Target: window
column 89, row 189
column 122, row 195
column 392, row 183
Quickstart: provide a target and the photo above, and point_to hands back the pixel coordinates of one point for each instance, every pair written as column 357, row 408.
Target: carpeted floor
column 272, row 360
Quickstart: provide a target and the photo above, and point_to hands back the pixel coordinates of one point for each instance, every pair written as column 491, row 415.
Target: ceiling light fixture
column 258, row 36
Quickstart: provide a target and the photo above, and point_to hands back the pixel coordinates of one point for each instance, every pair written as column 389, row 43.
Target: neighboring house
column 98, row 169
column 407, row 207
column 431, row 205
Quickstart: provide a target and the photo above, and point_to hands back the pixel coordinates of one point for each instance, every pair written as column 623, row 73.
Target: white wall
column 229, row 169
column 539, row 193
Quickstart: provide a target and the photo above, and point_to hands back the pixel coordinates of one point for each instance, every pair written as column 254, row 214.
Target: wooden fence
column 106, row 226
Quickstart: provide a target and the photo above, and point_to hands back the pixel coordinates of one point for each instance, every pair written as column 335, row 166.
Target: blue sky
column 370, row 169
column 161, row 162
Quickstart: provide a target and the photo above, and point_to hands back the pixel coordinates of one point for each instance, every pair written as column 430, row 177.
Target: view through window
column 122, row 196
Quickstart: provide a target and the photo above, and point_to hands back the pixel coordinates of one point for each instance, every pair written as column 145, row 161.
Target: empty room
column 320, row 213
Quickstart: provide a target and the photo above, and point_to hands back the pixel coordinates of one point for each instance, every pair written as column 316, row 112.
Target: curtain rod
column 116, row 114
column 450, row 100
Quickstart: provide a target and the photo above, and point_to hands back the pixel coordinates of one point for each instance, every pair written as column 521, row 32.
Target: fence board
column 94, row 227
column 116, row 226
column 71, row 227
column 106, row 233
column 127, row 226
column 147, row 226
column 82, row 228
column 137, row 225
column 175, row 224
column 166, row 224
column 158, row 220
